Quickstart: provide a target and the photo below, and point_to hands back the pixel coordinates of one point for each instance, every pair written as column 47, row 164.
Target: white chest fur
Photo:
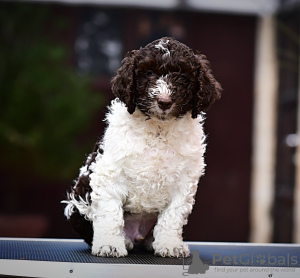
column 148, row 160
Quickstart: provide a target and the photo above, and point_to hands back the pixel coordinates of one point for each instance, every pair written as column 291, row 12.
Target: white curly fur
column 145, row 172
column 162, row 45
column 148, row 166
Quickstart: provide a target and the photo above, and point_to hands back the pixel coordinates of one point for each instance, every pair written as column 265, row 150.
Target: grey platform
column 72, row 258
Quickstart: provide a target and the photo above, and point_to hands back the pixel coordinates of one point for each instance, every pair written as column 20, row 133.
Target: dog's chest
column 155, row 156
column 156, row 152
column 152, row 159
column 153, row 169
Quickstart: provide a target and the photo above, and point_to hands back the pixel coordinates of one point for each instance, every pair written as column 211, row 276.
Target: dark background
column 48, row 129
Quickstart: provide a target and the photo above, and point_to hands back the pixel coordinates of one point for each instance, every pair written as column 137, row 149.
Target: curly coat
column 191, row 72
column 143, row 175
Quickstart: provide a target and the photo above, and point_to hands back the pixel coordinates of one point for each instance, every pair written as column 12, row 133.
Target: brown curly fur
column 196, row 86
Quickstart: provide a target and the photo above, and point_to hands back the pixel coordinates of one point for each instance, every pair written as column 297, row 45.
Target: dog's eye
column 184, row 77
column 149, row 73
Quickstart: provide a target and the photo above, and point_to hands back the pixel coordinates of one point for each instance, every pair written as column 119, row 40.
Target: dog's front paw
column 171, row 247
column 109, row 251
column 114, row 247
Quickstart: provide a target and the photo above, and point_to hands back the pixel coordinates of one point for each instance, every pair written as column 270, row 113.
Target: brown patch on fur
column 189, row 72
column 83, row 227
column 82, row 189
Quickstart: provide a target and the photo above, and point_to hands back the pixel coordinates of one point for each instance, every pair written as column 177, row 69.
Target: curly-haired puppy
column 143, row 175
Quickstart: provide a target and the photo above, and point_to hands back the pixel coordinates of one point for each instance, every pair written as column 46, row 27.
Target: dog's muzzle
column 164, row 103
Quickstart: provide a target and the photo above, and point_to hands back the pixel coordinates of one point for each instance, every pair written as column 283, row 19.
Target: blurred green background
column 46, row 108
column 44, row 103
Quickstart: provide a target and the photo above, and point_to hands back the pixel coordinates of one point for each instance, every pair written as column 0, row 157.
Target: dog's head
column 166, row 79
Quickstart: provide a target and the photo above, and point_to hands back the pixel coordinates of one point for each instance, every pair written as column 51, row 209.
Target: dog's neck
column 142, row 123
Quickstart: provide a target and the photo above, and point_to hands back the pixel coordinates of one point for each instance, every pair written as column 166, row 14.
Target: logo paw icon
column 261, row 259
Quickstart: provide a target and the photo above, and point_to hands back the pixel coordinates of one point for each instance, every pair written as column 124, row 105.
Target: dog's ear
column 123, row 84
column 209, row 89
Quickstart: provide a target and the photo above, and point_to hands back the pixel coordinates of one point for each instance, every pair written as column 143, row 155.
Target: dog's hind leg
column 83, row 227
column 78, row 208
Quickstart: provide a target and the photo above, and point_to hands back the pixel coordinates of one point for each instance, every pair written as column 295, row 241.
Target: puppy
column 137, row 187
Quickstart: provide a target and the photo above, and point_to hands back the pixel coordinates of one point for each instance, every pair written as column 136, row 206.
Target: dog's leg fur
column 168, row 230
column 108, row 224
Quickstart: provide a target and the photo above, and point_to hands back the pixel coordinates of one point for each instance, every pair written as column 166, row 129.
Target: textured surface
column 69, row 251
column 211, row 254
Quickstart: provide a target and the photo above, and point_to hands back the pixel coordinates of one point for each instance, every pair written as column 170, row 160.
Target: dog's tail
column 81, row 205
column 79, row 213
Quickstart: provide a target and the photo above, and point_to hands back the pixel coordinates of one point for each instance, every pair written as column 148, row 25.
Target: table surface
column 213, row 254
column 37, row 258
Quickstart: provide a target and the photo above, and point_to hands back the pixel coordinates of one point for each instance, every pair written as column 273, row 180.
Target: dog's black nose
column 164, row 103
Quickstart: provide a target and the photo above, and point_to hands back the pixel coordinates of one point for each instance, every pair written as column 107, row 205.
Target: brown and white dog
column 143, row 175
